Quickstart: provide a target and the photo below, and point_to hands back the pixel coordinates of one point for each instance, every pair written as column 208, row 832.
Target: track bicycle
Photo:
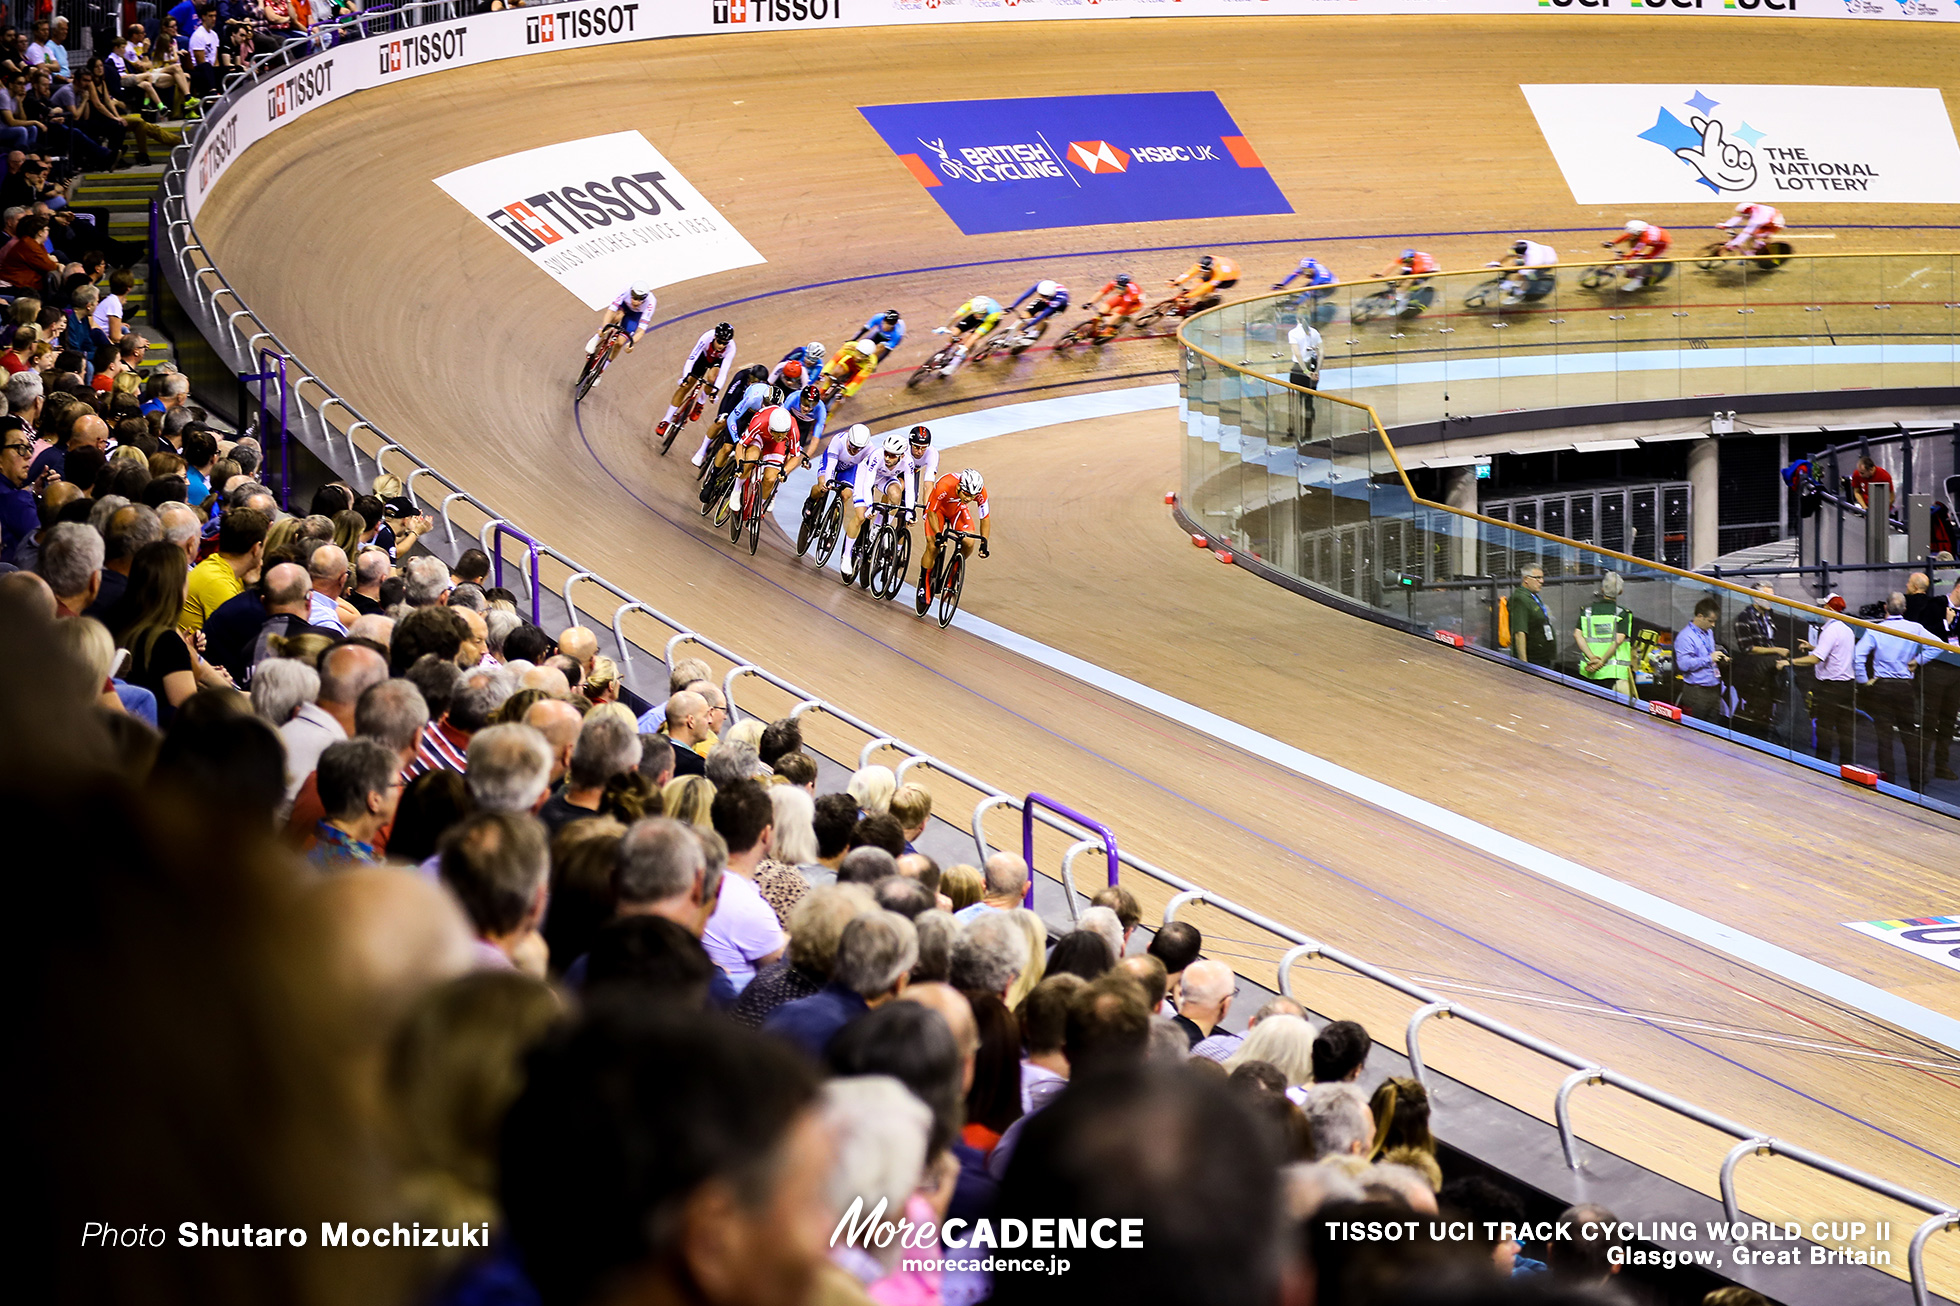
column 942, row 595
column 611, row 337
column 686, row 409
column 1768, row 256
column 884, row 549
column 823, row 522
column 754, row 507
column 1392, row 304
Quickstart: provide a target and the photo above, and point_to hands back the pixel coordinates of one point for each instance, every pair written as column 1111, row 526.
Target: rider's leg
column 853, row 523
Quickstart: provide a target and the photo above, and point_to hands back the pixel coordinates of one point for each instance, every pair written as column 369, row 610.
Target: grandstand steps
column 125, row 195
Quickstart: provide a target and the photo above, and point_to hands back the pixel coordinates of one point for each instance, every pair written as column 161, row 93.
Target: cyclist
column 786, row 379
column 749, row 392
column 970, row 322
column 632, row 312
column 851, row 365
column 885, row 331
column 1645, row 243
column 1319, row 277
column 1407, row 272
column 1207, row 277
column 881, row 479
column 1527, row 279
column 810, row 412
column 809, row 364
column 921, row 462
column 1753, row 225
column 769, row 439
column 714, row 350
column 1044, row 299
column 954, row 500
column 1114, row 304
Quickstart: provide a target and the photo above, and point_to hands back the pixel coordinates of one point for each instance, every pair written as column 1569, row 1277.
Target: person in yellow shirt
column 241, row 545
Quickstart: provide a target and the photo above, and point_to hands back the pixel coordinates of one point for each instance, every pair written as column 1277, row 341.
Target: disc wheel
column 830, row 524
column 1776, row 254
column 947, row 601
column 810, row 528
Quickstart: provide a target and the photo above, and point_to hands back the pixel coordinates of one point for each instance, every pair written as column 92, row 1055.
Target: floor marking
column 1745, row 947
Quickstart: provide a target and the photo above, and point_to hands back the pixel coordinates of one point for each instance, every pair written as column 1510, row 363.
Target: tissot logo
column 217, row 153
column 291, row 94
column 776, row 11
column 535, row 221
column 423, row 50
column 576, row 22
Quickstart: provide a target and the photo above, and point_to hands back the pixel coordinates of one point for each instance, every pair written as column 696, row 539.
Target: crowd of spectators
column 638, row 995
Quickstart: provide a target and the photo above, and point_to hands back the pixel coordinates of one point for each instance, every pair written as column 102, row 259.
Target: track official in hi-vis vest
column 1605, row 637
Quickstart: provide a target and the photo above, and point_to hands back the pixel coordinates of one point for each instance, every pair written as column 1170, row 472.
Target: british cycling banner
column 599, row 214
column 1079, row 160
column 1778, row 144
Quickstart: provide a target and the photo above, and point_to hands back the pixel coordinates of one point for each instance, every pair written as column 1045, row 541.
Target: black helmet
column 724, row 332
column 1123, row 281
column 891, row 317
column 1517, row 246
column 920, row 436
column 1205, row 262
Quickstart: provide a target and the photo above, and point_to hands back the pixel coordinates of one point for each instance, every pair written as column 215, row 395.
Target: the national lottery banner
column 1794, row 145
column 1078, row 160
column 598, row 214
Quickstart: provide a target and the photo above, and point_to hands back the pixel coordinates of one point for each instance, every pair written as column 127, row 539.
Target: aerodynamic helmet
column 1636, row 228
column 640, row 290
column 1518, row 246
column 1204, row 262
column 813, row 352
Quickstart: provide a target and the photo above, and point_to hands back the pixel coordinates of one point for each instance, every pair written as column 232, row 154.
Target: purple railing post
column 1033, row 801
column 267, row 373
column 498, row 530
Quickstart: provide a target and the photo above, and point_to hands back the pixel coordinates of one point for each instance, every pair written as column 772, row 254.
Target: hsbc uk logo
column 1105, row 156
column 1098, row 156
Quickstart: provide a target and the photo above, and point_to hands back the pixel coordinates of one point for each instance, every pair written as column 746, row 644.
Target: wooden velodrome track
column 1374, row 128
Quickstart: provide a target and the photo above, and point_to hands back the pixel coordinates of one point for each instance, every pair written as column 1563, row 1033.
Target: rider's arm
column 896, row 336
column 1026, row 295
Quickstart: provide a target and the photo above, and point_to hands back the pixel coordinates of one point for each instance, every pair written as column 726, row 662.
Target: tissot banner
column 1078, row 160
column 1790, row 146
column 599, row 214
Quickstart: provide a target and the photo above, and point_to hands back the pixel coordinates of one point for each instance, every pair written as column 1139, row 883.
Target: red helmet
column 793, row 373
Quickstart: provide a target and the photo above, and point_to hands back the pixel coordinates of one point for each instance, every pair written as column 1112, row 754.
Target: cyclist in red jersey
column 959, row 501
column 1644, row 242
column 1115, row 303
column 770, row 439
column 1410, row 269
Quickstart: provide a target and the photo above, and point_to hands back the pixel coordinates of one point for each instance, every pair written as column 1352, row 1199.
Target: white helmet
column 779, row 420
column 814, row 351
column 1046, row 289
column 640, row 290
column 1744, row 207
column 895, row 444
column 970, row 482
column 1636, row 227
column 857, row 437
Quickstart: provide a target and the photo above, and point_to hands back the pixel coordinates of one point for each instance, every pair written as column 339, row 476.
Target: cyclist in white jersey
column 886, row 482
column 921, row 463
column 715, row 347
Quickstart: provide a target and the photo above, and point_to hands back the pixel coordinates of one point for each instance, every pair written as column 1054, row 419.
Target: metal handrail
column 1944, row 1215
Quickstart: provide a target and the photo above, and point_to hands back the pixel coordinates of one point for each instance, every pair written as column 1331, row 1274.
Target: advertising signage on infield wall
column 1687, row 144
column 482, row 38
column 599, row 214
column 1078, row 160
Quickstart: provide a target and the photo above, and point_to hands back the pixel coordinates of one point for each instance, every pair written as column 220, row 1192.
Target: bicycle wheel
column 680, row 420
column 948, row 597
column 737, row 515
column 922, row 596
column 1710, row 259
column 1152, row 315
column 807, row 530
column 1069, row 340
column 1600, row 276
column 831, row 525
column 988, row 347
column 901, row 559
column 589, row 376
column 1026, row 340
column 1776, row 254
column 871, row 560
column 715, row 497
column 926, row 369
column 756, row 511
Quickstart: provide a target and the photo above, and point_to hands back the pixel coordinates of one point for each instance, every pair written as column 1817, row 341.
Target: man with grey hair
column 509, row 768
column 875, row 956
column 71, row 564
column 250, row 494
column 327, row 570
column 128, row 529
column 1007, row 885
column 469, row 597
column 497, row 863
column 1223, row 1043
column 1389, row 1182
column 608, row 747
column 175, row 391
column 1604, row 637
column 990, row 954
column 1103, row 921
column 373, row 626
column 662, row 868
column 284, row 588
column 497, row 626
column 346, row 673
column 866, row 866
column 25, row 397
column 371, row 568
column 425, row 581
column 1204, row 998
column 477, row 699
column 101, row 509
column 938, row 932
column 182, row 528
column 1339, row 1121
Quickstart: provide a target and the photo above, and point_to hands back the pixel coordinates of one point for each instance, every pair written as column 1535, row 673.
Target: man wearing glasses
column 1534, row 635
column 20, row 515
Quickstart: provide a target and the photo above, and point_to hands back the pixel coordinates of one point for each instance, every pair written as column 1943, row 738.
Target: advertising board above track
column 319, row 79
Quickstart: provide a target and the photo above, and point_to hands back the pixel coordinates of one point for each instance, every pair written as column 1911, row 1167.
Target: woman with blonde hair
column 1282, row 1041
column 873, row 787
column 688, row 798
column 280, row 535
column 348, row 528
column 746, row 731
column 1037, row 932
column 963, row 885
column 1401, row 1111
column 601, row 684
column 305, row 647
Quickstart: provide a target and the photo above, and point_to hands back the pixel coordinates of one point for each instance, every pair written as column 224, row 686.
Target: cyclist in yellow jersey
column 971, row 322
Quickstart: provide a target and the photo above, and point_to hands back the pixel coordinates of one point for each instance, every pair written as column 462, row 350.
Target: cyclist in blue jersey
column 810, row 412
column 885, row 331
column 1320, row 282
column 1044, row 299
column 845, row 459
column 808, row 358
column 747, row 395
column 632, row 311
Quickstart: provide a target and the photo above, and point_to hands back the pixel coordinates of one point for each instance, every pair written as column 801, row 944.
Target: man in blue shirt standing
column 1894, row 692
column 1700, row 663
